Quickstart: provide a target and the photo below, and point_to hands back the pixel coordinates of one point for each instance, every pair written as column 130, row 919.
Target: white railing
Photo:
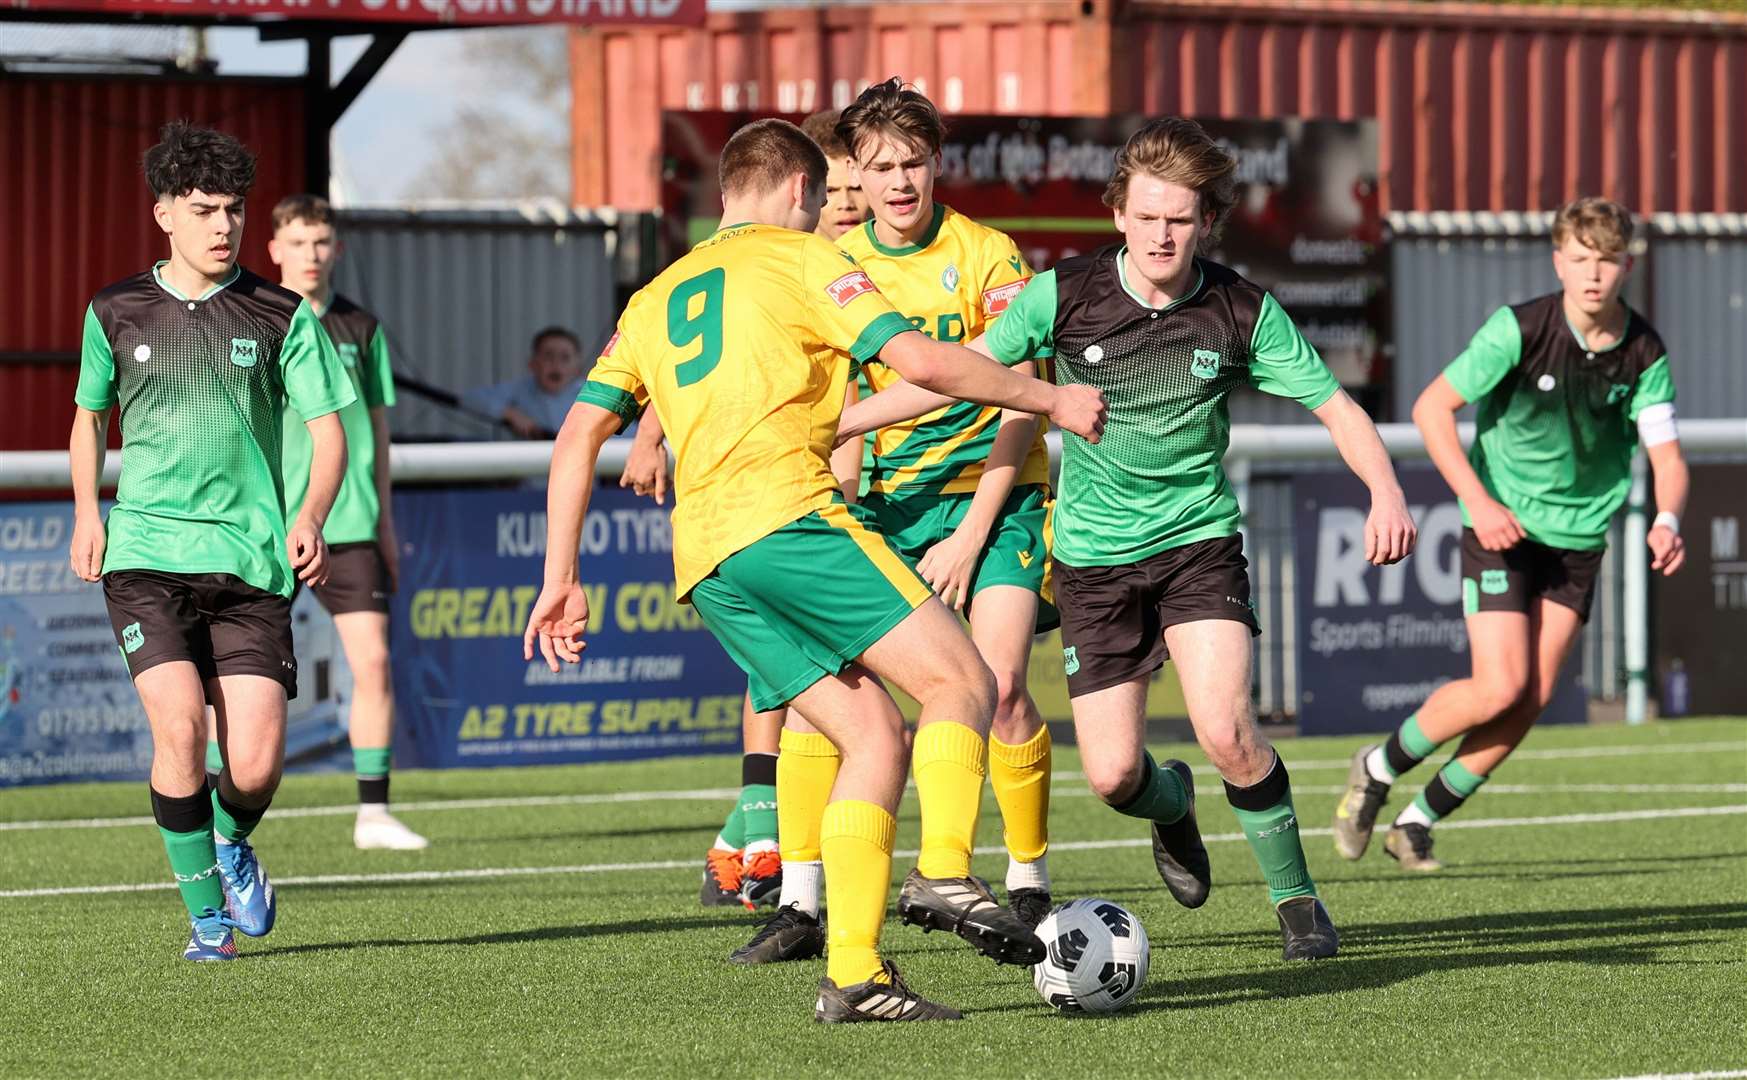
column 1250, row 443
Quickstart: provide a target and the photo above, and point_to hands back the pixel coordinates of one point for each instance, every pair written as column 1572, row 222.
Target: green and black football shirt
column 201, row 384
column 363, row 352
column 1557, row 420
column 1156, row 480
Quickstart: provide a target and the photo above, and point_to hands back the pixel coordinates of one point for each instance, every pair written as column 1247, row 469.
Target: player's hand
column 1390, row 533
column 948, row 567
column 389, row 545
column 557, row 621
column 646, row 470
column 308, row 551
column 1081, row 410
column 1667, row 550
column 86, row 553
column 1496, row 527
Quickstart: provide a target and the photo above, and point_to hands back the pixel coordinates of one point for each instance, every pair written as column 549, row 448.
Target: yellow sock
column 1020, row 776
column 856, row 842
column 948, row 765
column 805, row 771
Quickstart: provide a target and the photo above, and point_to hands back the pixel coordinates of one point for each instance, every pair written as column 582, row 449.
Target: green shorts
column 800, row 603
column 1016, row 552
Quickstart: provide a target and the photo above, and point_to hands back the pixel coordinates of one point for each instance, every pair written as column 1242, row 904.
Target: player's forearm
column 384, row 481
column 901, row 401
column 1012, row 445
column 960, row 373
column 649, row 430
column 1355, row 436
column 846, row 468
column 1672, row 480
column 85, row 454
column 327, row 468
column 569, row 487
column 1437, row 426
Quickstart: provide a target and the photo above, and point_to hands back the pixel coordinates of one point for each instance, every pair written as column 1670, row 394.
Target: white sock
column 1413, row 815
column 801, row 886
column 1377, row 765
column 756, row 847
column 1028, row 875
column 722, row 845
column 373, row 810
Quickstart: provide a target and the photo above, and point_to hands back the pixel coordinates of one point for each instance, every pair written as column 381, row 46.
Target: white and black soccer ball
column 1097, row 957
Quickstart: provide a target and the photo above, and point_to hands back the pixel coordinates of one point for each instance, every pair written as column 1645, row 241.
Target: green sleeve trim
column 1496, row 348
column 621, row 403
column 1285, row 365
column 1026, row 330
column 379, row 385
column 96, row 389
column 1655, row 387
column 315, row 382
column 873, row 337
column 908, row 249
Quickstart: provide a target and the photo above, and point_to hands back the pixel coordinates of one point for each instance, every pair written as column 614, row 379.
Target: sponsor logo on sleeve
column 995, row 301
column 612, row 341
column 849, row 286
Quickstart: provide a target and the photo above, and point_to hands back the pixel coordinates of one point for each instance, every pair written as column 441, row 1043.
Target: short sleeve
column 1282, row 363
column 1496, row 348
column 1004, row 274
column 1026, row 328
column 96, row 389
column 315, row 383
column 614, row 384
column 1655, row 387
column 377, row 374
column 848, row 310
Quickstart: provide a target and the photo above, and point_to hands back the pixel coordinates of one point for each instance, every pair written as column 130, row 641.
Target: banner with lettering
column 1374, row 642
column 652, row 682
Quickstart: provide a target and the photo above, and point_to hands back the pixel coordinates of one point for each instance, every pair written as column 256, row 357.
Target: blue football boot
column 252, row 904
column 211, row 938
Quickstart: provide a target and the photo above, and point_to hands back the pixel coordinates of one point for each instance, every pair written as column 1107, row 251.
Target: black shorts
column 1114, row 617
column 220, row 622
column 357, row 580
column 1513, row 579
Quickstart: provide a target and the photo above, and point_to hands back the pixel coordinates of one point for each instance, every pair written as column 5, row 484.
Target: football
column 1098, row 956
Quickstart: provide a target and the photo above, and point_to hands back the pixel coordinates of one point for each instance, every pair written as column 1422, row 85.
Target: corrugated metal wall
column 75, row 214
column 462, row 292
column 1699, row 304
column 1480, row 106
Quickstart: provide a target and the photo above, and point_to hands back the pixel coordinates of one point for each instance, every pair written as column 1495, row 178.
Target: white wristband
column 1669, row 520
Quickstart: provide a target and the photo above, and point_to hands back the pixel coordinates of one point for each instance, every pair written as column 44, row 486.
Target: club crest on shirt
column 243, row 351
column 142, row 353
column 949, row 278
column 1617, row 393
column 348, row 354
column 1205, row 364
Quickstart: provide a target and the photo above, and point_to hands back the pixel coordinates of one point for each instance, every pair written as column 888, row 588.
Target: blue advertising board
column 1374, row 642
column 652, row 681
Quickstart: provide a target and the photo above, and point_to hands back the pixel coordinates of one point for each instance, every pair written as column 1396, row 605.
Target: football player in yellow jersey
column 745, row 864
column 804, row 594
column 961, row 492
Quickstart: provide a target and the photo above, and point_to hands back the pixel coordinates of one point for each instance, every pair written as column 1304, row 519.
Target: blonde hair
column 1178, row 151
column 1598, row 223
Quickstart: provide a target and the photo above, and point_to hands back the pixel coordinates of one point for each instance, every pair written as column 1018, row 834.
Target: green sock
column 234, row 822
column 733, row 834
column 1270, row 824
column 1161, row 796
column 1447, row 791
column 194, row 861
column 758, row 813
column 214, row 757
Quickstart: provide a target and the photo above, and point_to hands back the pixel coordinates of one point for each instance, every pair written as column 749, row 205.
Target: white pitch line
column 711, row 794
column 1713, row 1075
column 691, row 864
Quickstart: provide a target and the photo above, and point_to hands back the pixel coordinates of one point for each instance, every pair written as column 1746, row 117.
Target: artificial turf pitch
column 565, row 937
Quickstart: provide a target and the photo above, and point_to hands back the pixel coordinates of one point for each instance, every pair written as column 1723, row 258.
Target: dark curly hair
column 191, row 158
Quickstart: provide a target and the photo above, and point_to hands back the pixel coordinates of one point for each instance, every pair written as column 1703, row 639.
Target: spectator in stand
column 534, row 406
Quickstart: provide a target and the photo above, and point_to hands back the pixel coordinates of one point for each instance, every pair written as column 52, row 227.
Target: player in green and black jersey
column 1567, row 385
column 1148, row 559
column 364, row 557
column 197, row 560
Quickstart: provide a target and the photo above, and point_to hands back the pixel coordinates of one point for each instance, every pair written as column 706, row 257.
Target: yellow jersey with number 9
column 744, row 345
column 951, row 286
